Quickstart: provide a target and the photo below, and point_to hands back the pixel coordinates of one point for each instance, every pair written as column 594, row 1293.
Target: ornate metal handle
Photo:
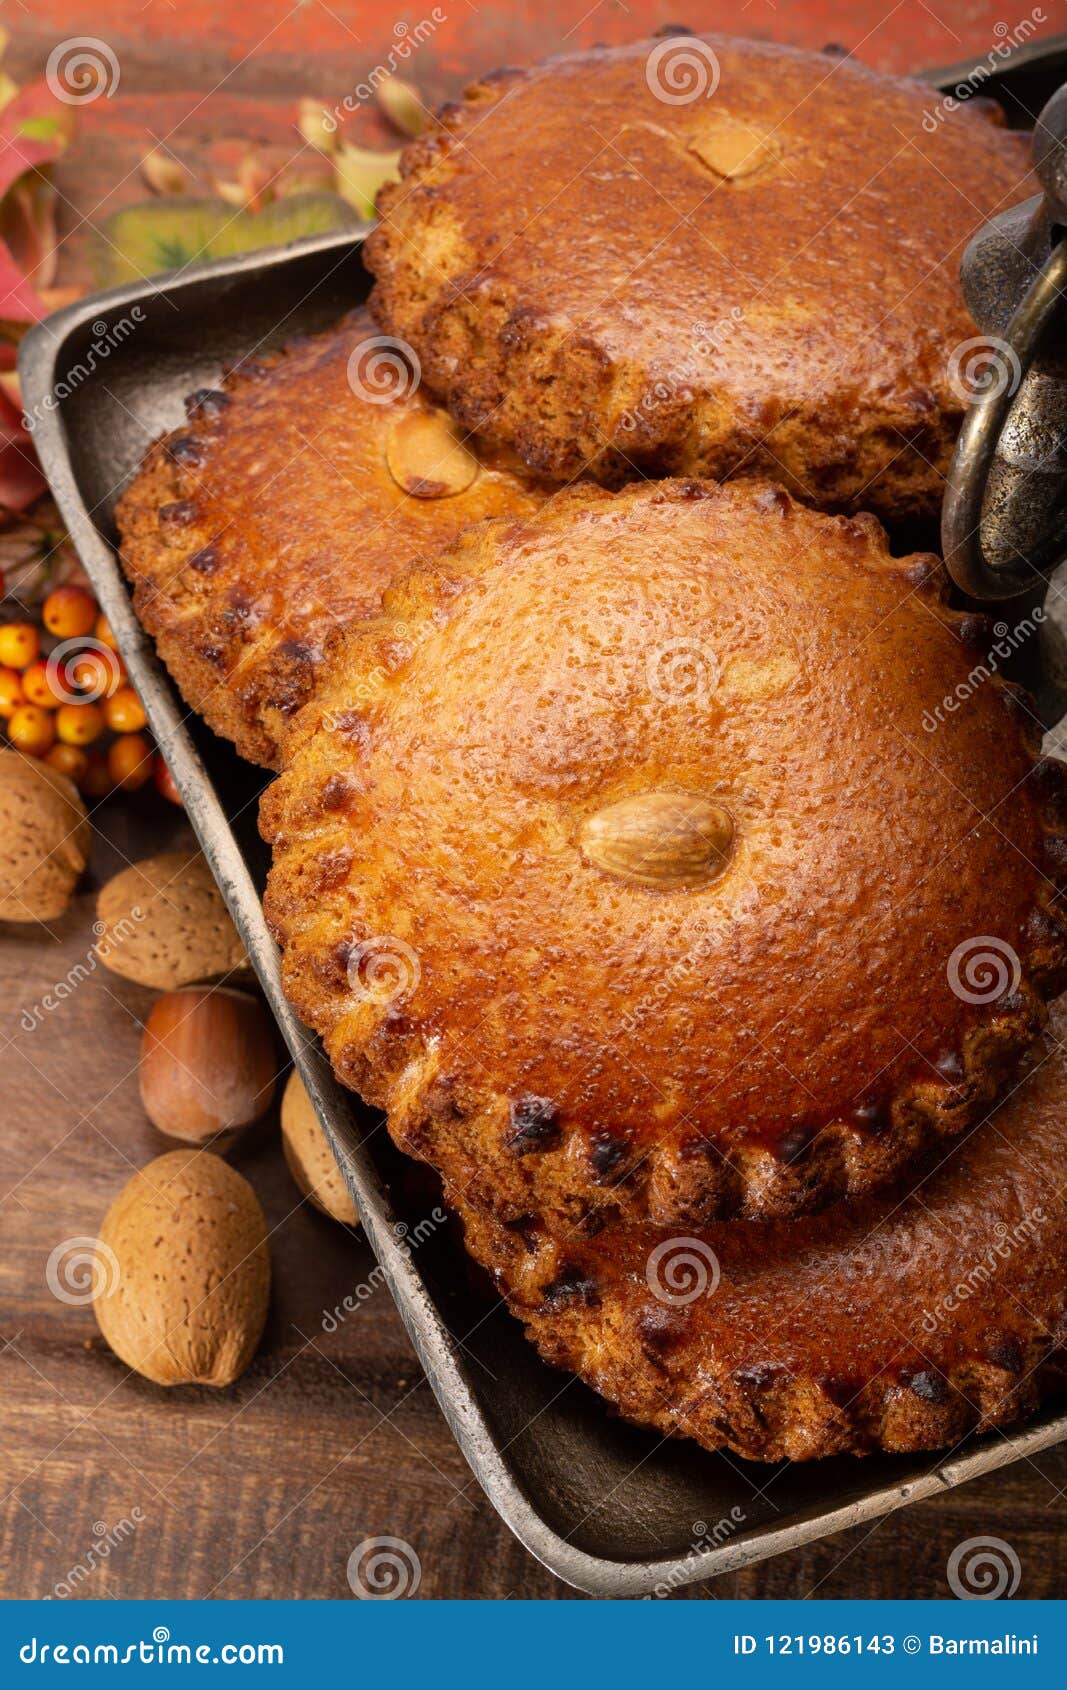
column 1004, row 518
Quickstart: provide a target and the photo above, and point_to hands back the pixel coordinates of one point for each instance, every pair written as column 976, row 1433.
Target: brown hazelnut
column 208, row 1063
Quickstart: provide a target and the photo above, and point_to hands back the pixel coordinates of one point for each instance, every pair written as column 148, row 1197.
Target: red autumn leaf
column 21, row 481
column 20, row 303
column 34, row 129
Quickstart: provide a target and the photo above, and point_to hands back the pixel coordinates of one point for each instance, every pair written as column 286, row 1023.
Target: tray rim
column 39, row 368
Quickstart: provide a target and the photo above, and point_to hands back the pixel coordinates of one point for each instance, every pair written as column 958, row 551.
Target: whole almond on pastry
column 659, row 838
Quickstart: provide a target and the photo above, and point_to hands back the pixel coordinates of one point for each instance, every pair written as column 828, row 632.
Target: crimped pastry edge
column 843, row 1161
column 210, row 688
column 485, row 390
column 760, row 1416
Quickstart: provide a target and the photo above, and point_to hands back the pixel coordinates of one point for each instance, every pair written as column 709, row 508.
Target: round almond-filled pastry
column 701, row 256
column 669, row 853
column 294, row 495
column 900, row 1323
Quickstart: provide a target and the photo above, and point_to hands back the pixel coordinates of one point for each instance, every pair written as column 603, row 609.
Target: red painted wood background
column 197, row 75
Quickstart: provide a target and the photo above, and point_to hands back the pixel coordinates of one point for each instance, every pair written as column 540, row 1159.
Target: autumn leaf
column 34, row 129
column 403, row 106
column 21, row 481
column 361, row 173
column 167, row 234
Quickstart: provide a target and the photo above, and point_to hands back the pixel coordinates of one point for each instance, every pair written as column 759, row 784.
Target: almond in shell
column 311, row 1161
column 183, row 1273
column 44, row 839
column 163, row 923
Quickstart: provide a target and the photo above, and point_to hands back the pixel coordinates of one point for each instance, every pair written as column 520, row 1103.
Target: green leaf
column 43, row 128
column 167, row 234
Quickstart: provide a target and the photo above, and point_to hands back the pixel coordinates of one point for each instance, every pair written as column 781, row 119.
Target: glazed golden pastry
column 900, row 1323
column 616, row 861
column 700, row 256
column 293, row 496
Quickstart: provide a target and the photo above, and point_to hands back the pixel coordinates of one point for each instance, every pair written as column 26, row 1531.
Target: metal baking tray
column 611, row 1509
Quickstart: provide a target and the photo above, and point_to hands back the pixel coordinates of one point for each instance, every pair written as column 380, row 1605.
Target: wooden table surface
column 265, row 1488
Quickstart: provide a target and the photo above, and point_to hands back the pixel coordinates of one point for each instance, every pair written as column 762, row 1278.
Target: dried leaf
column 164, row 173
column 36, row 554
column 361, row 173
column 252, row 187
column 34, row 129
column 317, row 126
column 28, row 228
column 403, row 106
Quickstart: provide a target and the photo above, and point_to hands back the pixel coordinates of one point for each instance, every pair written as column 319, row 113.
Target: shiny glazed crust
column 787, row 1028
column 899, row 1323
column 760, row 278
column 272, row 520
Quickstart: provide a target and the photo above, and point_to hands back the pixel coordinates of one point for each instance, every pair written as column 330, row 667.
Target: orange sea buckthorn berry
column 20, row 644
column 166, row 785
column 32, row 729
column 11, row 693
column 69, row 612
column 79, row 724
column 96, row 781
column 129, row 761
column 124, row 712
column 102, row 632
column 42, row 684
column 69, row 760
